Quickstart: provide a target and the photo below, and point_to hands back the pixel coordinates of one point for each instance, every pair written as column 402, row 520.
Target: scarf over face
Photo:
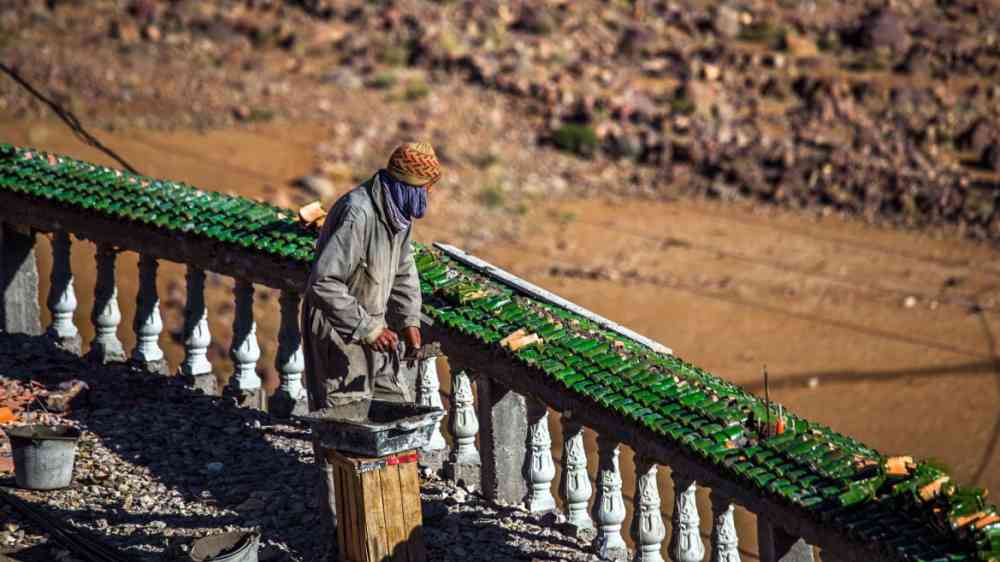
column 403, row 202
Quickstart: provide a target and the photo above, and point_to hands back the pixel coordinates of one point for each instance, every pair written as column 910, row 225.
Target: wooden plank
column 345, row 506
column 374, row 516
column 392, row 506
column 409, row 482
column 342, row 516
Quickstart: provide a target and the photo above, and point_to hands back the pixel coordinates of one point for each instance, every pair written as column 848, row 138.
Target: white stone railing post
column 429, row 394
column 106, row 347
column 575, row 487
column 464, row 464
column 540, row 470
column 290, row 398
column 609, row 506
column 62, row 296
column 148, row 323
column 686, row 544
column 245, row 384
column 648, row 531
column 725, row 543
column 195, row 367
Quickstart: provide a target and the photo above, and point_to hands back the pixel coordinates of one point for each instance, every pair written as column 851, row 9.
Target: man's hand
column 386, row 341
column 411, row 334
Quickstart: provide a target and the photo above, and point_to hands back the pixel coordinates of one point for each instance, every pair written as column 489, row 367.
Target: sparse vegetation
column 416, row 90
column 384, row 81
column 491, row 197
column 766, row 33
column 682, row 105
column 576, row 138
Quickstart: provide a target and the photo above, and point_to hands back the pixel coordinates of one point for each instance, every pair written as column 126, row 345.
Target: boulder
column 727, row 21
column 990, row 158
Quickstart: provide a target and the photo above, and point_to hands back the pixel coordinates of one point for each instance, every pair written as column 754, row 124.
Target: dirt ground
column 883, row 334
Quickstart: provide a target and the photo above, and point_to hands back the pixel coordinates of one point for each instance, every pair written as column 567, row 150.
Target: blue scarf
column 403, row 202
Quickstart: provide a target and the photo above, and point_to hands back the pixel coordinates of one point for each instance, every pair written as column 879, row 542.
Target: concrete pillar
column 575, row 487
column 503, row 415
column 464, row 464
column 19, row 309
column 290, row 398
column 648, row 531
column 725, row 543
column 195, row 367
column 778, row 546
column 540, row 469
column 106, row 347
column 62, row 297
column 429, row 394
column 148, row 324
column 609, row 506
column 245, row 383
column 686, row 544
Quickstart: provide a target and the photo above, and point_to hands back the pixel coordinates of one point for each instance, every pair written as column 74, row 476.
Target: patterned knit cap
column 414, row 163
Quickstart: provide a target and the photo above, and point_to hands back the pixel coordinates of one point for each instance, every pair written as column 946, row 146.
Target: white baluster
column 290, row 362
column 725, row 543
column 541, row 469
column 196, row 333
column 429, row 394
column 647, row 522
column 609, row 506
column 62, row 297
column 147, row 323
column 106, row 347
column 464, row 424
column 686, row 544
column 245, row 351
column 575, row 488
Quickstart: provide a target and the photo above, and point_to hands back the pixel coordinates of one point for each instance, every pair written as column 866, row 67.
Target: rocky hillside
column 887, row 110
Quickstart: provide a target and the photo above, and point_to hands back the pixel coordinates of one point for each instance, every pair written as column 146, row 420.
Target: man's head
column 414, row 163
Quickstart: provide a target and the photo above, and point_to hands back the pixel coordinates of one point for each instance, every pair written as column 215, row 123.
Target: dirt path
column 885, row 335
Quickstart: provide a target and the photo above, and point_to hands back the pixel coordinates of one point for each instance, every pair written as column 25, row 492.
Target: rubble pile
column 159, row 465
column 884, row 112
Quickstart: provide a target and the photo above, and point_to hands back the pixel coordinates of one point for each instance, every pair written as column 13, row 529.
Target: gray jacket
column 364, row 273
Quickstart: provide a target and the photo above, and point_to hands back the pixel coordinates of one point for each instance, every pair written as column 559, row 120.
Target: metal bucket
column 43, row 455
column 237, row 546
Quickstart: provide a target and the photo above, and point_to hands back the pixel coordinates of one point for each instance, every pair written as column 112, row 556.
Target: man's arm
column 338, row 260
column 405, row 299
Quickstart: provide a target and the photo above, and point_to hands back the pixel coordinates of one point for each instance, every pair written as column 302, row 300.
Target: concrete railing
column 810, row 487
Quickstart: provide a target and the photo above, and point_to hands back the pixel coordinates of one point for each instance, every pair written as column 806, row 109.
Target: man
column 363, row 290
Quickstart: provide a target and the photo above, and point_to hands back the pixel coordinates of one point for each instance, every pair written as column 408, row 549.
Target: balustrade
column 609, row 506
column 197, row 336
column 290, row 397
column 647, row 522
column 429, row 394
column 106, row 347
column 541, row 470
column 575, row 487
column 245, row 383
column 62, row 296
column 148, row 323
column 513, row 463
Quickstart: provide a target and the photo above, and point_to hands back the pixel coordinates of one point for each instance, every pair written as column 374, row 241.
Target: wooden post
column 378, row 508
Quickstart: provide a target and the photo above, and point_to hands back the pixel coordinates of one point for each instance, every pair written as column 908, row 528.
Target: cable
column 67, row 117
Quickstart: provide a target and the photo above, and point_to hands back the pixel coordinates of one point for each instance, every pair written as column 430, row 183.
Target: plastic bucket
column 236, row 546
column 43, row 455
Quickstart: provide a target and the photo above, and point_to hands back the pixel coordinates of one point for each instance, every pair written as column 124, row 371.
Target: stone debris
column 159, row 465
